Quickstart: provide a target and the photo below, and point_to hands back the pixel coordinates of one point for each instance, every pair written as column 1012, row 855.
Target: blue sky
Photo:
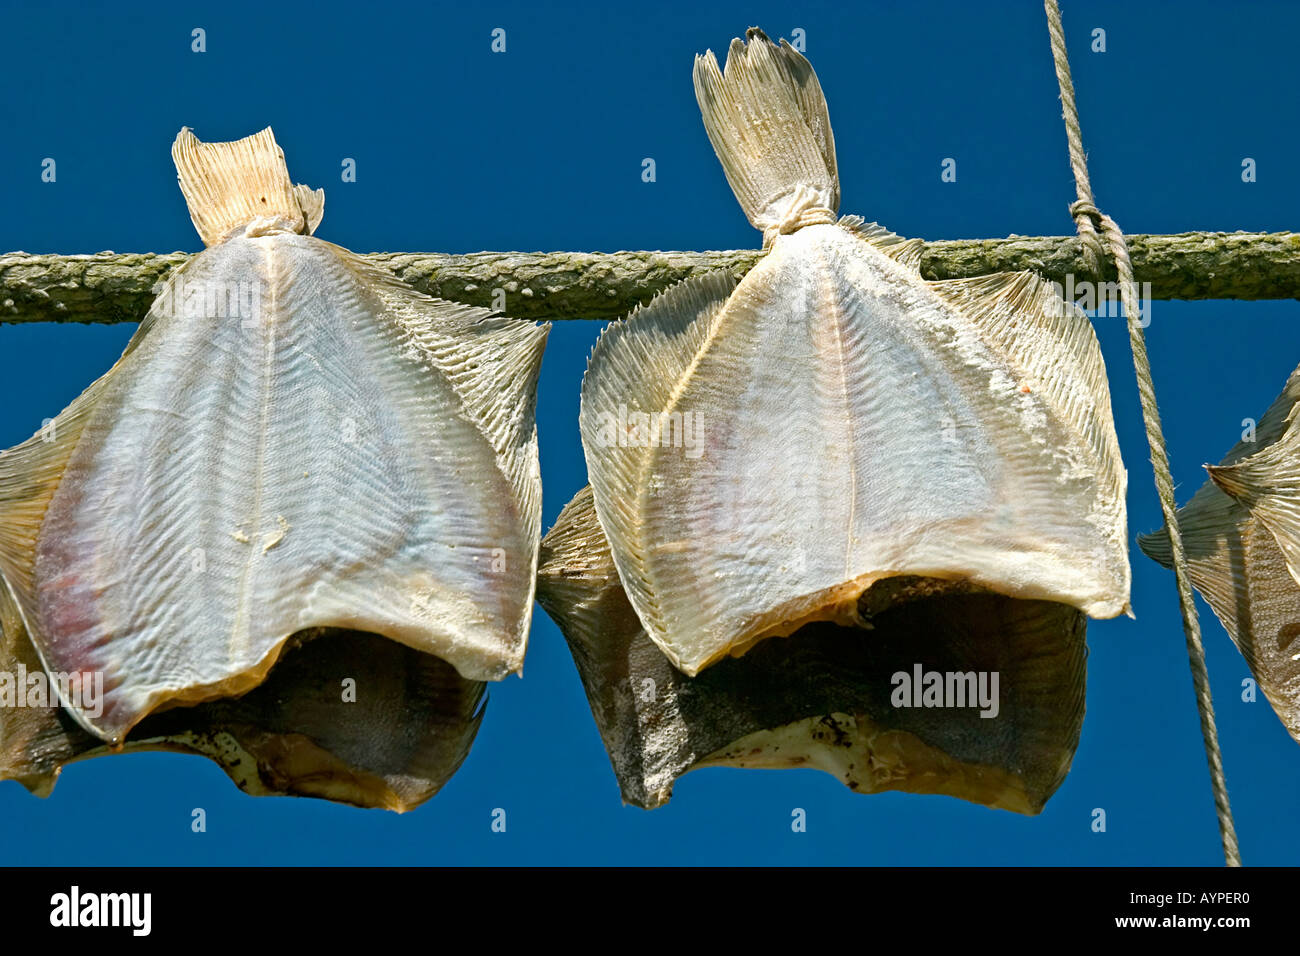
column 459, row 149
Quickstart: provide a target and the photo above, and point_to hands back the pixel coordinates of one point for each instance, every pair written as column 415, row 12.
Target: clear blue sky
column 459, row 149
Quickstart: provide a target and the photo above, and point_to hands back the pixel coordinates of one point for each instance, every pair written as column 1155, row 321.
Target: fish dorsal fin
column 1234, row 561
column 1211, row 503
column 242, row 187
column 907, row 252
column 1038, row 333
column 635, row 369
column 30, row 474
column 767, row 119
column 492, row 361
column 1268, row 484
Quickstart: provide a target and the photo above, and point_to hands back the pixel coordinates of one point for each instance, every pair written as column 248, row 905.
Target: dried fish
column 827, row 698
column 763, row 453
column 294, row 440
column 1241, row 532
column 915, row 483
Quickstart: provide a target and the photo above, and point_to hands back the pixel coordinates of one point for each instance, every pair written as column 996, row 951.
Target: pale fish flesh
column 762, row 453
column 294, row 440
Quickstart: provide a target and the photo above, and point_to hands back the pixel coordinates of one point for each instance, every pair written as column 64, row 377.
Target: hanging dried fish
column 914, row 482
column 293, row 440
column 1241, row 533
column 764, row 453
column 828, row 697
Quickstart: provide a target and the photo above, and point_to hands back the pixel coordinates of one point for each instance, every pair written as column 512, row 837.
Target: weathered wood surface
column 119, row 287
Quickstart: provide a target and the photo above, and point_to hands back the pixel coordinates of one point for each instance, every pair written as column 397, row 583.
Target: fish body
column 831, row 473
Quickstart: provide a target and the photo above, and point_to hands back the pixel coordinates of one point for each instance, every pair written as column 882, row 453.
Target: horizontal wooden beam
column 119, row 287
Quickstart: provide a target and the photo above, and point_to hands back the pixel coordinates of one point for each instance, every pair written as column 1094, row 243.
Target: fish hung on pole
column 1241, row 533
column 296, row 453
column 815, row 466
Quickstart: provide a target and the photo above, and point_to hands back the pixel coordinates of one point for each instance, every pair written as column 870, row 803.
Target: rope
column 1088, row 219
column 804, row 206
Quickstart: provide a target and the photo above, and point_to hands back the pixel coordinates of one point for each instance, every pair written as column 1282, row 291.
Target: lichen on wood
column 119, row 287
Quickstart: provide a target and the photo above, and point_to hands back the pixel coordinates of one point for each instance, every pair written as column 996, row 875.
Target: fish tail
column 766, row 117
column 233, row 188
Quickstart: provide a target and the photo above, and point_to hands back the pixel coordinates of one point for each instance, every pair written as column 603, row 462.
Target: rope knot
column 1083, row 207
column 1088, row 220
column 803, row 206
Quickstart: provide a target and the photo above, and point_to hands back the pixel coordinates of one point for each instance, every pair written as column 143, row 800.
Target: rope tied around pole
column 1089, row 221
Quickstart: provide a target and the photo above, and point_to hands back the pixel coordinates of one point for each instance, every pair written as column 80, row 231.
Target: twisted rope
column 1088, row 219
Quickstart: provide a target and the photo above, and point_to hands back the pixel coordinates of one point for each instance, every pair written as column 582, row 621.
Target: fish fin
column 312, row 203
column 492, row 361
column 1236, row 565
column 1270, row 427
column 1268, row 484
column 906, row 252
column 30, row 474
column 637, row 364
column 1024, row 318
column 578, row 587
column 229, row 186
column 767, row 119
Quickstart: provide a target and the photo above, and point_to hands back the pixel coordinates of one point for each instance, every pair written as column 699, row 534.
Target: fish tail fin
column 242, row 185
column 766, row 117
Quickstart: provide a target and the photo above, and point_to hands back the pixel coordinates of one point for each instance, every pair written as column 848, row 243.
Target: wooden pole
column 119, row 287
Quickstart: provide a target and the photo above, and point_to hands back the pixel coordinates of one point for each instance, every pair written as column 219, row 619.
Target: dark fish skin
column 407, row 732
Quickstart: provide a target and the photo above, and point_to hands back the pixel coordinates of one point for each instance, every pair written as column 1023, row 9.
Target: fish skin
column 394, row 745
column 224, row 436
column 1024, row 500
column 859, row 422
